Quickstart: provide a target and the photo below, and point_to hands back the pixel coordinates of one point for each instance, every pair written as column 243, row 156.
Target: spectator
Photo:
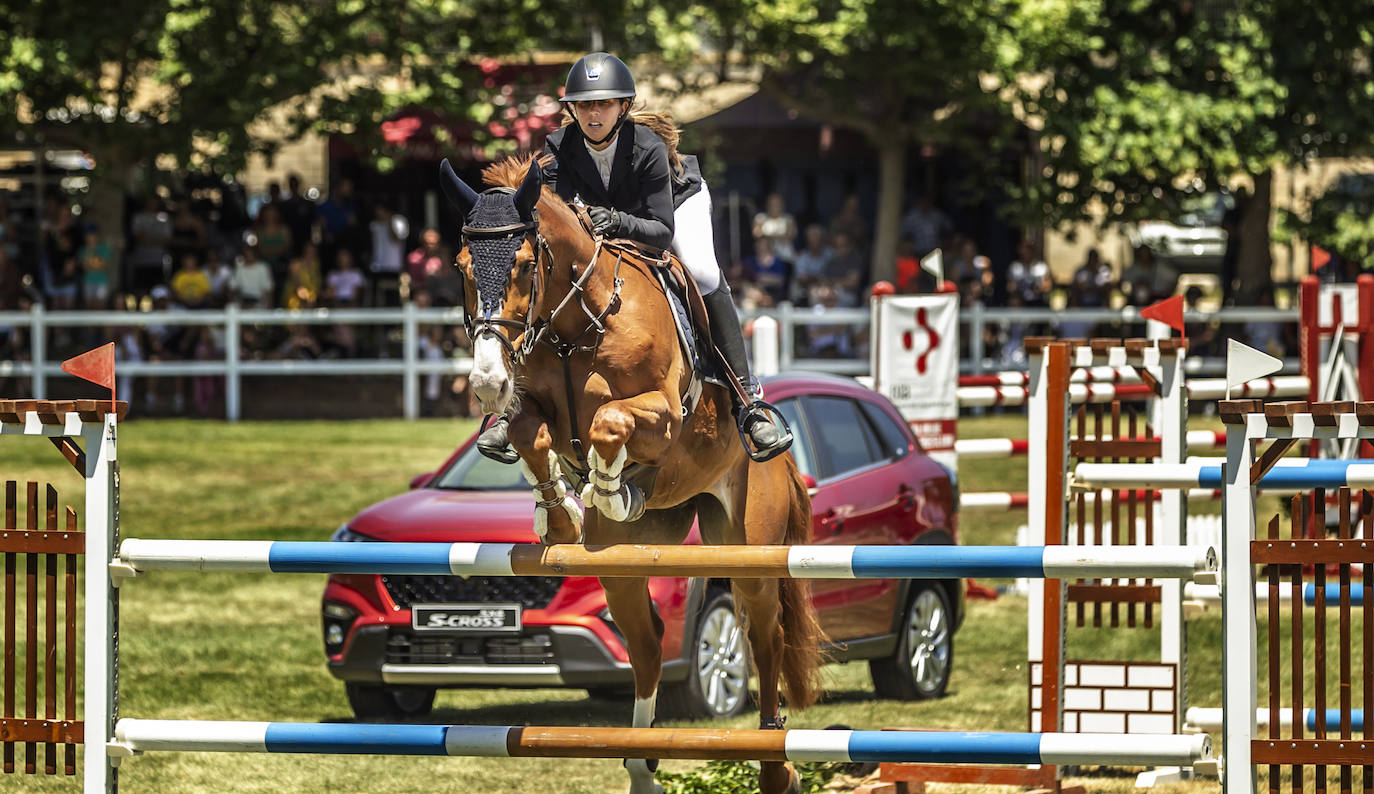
column 188, row 233
column 252, row 282
column 190, row 284
column 10, row 283
column 95, row 259
column 1029, row 277
column 445, row 285
column 298, row 211
column 345, row 283
column 847, row 273
column 301, row 290
column 1265, row 335
column 61, row 242
column 769, row 271
column 777, row 226
column 149, row 259
column 851, row 221
column 1092, row 280
column 389, row 232
column 337, row 219
column 273, row 240
column 221, row 276
column 812, row 263
column 828, row 341
column 9, row 235
column 1137, row 281
column 427, row 260
column 64, row 282
column 166, row 342
column 925, row 225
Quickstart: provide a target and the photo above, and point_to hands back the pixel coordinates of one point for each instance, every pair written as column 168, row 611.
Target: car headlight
column 337, row 619
column 345, row 535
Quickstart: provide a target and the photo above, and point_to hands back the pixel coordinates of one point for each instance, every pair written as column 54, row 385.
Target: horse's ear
column 459, row 194
column 528, row 194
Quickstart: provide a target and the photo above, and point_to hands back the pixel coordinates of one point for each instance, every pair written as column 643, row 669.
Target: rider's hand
column 604, row 221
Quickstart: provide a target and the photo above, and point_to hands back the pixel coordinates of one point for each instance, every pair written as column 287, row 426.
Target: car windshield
column 1203, row 209
column 473, row 472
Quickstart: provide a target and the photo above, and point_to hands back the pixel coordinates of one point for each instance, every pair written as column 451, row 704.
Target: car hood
column 434, row 515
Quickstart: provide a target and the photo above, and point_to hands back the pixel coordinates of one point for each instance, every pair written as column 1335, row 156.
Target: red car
column 393, row 640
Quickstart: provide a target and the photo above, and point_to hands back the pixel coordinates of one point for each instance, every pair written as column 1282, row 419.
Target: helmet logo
column 593, row 70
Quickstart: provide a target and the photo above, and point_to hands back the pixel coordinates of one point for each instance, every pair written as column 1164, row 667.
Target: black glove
column 605, row 222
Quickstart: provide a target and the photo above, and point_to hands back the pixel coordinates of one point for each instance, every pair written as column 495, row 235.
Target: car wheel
column 718, row 683
column 919, row 670
column 372, row 702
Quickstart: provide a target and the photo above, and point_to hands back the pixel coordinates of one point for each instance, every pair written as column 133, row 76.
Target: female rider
column 636, row 187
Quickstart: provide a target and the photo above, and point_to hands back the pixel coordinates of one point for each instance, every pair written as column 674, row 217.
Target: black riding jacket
column 641, row 185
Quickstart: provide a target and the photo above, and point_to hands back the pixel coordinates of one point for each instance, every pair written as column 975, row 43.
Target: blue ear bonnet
column 493, row 256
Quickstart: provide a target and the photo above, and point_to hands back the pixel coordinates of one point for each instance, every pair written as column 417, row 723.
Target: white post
column 1238, row 606
column 38, row 352
column 102, row 603
column 766, row 346
column 787, row 334
column 1037, row 461
column 410, row 357
column 232, row 386
column 1170, row 421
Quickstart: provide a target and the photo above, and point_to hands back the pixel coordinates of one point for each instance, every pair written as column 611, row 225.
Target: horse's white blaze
column 641, row 777
column 491, row 383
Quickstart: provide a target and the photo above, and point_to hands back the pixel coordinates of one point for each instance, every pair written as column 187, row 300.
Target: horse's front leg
column 643, row 426
column 557, row 516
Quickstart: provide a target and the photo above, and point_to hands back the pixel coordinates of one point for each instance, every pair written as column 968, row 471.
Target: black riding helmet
column 599, row 75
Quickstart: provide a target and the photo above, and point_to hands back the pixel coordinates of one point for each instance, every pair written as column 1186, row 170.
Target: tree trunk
column 891, row 190
column 1255, row 262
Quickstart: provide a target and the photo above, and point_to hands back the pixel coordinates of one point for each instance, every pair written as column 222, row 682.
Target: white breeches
column 694, row 242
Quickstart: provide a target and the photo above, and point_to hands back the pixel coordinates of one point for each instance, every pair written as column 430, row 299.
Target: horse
column 573, row 337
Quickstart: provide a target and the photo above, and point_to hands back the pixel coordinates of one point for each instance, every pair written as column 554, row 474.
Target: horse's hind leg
column 641, row 427
column 759, row 600
column 628, row 600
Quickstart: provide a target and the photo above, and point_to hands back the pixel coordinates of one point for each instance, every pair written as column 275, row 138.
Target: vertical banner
column 915, row 364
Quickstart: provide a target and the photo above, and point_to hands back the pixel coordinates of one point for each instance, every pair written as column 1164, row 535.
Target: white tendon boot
column 642, row 770
column 561, row 497
column 616, row 500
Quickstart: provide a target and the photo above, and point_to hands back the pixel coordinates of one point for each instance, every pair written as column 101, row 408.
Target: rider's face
column 597, row 117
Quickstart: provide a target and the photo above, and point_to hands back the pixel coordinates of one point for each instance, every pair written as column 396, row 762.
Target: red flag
column 1168, row 311
column 1320, row 256
column 96, row 366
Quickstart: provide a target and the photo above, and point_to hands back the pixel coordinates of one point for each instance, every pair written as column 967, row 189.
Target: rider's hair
column 660, row 123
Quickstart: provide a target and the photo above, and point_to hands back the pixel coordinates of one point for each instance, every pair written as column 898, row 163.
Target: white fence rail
column 410, row 367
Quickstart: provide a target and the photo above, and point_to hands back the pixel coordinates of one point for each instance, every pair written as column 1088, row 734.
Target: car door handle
column 906, row 497
column 832, row 522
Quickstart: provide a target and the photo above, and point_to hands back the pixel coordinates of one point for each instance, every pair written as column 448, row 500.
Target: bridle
column 543, row 257
column 530, row 331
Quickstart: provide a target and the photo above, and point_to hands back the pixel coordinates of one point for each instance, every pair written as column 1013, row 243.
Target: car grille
column 418, row 649
column 531, row 592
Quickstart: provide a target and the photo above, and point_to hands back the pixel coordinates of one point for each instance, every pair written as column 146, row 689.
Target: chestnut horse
column 574, row 339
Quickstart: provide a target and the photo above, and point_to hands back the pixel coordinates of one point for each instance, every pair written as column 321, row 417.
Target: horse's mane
column 511, row 171
column 662, row 125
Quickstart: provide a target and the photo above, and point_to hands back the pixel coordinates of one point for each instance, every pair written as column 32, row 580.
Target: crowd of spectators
column 205, row 248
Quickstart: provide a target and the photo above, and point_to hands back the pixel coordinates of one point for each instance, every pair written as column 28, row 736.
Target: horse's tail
column 802, row 636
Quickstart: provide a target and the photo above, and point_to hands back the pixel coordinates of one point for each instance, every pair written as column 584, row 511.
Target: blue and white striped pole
column 133, row 735
column 1287, row 475
column 810, row 562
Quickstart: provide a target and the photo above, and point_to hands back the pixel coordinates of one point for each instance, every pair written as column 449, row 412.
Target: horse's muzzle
column 490, row 380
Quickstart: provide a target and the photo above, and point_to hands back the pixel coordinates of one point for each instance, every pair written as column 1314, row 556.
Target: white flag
column 1244, row 364
column 934, row 264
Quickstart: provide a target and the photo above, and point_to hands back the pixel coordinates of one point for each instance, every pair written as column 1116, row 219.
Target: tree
column 1138, row 99
column 897, row 71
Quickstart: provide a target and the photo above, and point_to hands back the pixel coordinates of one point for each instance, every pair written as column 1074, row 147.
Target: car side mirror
column 810, row 483
column 421, row 480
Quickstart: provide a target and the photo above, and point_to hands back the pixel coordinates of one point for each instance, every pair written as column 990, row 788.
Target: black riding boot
column 495, row 441
column 756, row 418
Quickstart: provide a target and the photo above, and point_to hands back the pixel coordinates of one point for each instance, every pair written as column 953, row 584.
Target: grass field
column 248, row 647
